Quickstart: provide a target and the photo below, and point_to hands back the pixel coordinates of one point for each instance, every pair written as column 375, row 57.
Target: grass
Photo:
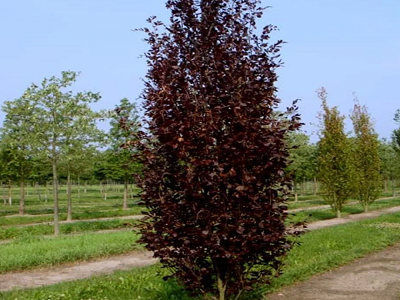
column 320, row 251
column 69, row 228
column 84, row 215
column 93, row 198
column 318, row 215
column 315, row 200
column 39, row 251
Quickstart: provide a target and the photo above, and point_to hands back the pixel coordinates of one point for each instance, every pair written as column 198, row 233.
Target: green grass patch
column 320, row 251
column 70, row 228
column 39, row 251
column 84, row 215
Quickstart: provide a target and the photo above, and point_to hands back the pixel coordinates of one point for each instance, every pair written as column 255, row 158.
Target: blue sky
column 345, row 45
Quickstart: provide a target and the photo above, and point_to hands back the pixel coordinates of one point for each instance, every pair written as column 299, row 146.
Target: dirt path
column 37, row 278
column 29, row 279
column 375, row 277
column 352, row 218
column 321, row 207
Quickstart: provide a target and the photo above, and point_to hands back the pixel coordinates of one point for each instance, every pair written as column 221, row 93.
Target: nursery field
column 88, row 202
column 319, row 251
column 27, row 242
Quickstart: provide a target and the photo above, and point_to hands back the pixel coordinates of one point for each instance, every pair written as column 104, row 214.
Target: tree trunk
column 79, row 188
column 45, row 192
column 85, row 187
column 366, row 207
column 55, row 192
column 338, row 214
column 315, row 186
column 22, row 197
column 9, row 193
column 125, row 205
column 38, row 191
column 296, row 195
column 69, row 215
column 393, row 188
column 4, row 194
column 221, row 288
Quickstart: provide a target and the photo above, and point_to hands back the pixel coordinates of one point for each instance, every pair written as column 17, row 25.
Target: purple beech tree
column 214, row 151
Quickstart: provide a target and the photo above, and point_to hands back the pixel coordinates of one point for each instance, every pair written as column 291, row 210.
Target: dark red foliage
column 214, row 156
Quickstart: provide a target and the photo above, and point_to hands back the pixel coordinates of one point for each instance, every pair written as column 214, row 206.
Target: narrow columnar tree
column 396, row 134
column 334, row 157
column 215, row 156
column 390, row 164
column 367, row 176
column 120, row 165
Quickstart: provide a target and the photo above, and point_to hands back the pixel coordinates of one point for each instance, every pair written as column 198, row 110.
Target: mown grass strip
column 70, row 228
column 35, row 251
column 85, row 215
column 320, row 251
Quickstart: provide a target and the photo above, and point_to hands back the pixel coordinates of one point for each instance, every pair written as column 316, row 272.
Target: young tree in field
column 390, row 163
column 121, row 167
column 41, row 174
column 16, row 135
column 367, row 173
column 59, row 117
column 76, row 155
column 302, row 157
column 8, row 172
column 215, row 157
column 396, row 134
column 334, row 157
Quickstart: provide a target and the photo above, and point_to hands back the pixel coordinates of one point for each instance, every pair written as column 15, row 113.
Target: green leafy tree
column 7, row 172
column 59, row 117
column 390, row 163
column 119, row 163
column 396, row 134
column 76, row 157
column 302, row 157
column 334, row 159
column 367, row 177
column 16, row 136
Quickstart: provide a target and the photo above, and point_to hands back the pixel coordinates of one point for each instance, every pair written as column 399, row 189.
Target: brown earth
column 321, row 207
column 37, row 278
column 375, row 277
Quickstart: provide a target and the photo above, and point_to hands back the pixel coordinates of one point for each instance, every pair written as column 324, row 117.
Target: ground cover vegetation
column 319, row 251
column 38, row 251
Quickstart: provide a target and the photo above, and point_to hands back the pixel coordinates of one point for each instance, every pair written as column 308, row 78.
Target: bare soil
column 322, row 207
column 352, row 218
column 37, row 278
column 375, row 277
